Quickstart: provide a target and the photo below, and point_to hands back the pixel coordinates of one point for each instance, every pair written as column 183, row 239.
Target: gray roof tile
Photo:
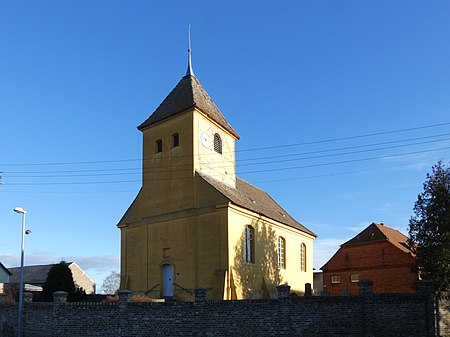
column 256, row 200
column 188, row 93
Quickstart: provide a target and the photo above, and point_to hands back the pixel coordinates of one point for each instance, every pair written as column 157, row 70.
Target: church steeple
column 188, row 93
column 189, row 70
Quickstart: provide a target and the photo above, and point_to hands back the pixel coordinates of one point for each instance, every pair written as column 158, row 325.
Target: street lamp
column 22, row 211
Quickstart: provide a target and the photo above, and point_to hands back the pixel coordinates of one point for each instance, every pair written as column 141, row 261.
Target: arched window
column 175, row 140
column 217, row 143
column 281, row 252
column 249, row 244
column 302, row 257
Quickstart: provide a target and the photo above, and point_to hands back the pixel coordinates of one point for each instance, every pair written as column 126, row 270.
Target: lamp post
column 22, row 211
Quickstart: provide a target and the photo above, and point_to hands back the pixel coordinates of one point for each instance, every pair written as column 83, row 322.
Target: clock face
column 205, row 139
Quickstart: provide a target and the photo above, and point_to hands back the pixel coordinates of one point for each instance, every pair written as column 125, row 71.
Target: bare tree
column 111, row 283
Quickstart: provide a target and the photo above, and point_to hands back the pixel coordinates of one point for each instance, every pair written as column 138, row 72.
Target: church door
column 167, row 270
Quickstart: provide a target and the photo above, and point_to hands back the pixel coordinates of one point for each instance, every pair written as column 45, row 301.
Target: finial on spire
column 189, row 69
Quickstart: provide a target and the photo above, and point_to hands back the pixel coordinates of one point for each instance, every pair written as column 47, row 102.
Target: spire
column 189, row 70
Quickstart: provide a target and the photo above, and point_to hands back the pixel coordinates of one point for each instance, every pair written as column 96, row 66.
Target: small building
column 36, row 276
column 379, row 253
column 4, row 276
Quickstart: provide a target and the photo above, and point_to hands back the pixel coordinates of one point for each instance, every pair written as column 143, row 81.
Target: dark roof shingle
column 188, row 93
column 256, row 200
column 32, row 274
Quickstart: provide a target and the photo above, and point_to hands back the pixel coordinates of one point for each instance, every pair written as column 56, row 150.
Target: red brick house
column 379, row 253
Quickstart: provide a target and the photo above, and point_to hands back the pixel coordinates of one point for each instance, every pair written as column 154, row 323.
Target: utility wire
column 350, row 137
column 243, row 150
column 345, row 161
column 188, row 166
column 248, row 172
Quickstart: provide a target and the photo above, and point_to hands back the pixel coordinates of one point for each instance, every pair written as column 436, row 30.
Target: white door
column 167, row 280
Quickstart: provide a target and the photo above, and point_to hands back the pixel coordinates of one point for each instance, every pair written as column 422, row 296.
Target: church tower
column 188, row 133
column 185, row 228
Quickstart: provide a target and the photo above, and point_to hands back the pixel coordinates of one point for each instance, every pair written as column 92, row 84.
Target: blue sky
column 342, row 108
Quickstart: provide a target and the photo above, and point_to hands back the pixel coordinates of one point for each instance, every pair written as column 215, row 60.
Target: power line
column 352, row 147
column 345, row 161
column 243, row 150
column 345, row 153
column 350, row 137
column 331, row 174
column 185, row 167
column 249, row 172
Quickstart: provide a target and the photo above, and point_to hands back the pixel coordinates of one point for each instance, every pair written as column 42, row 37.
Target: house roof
column 32, row 274
column 188, row 93
column 5, row 269
column 256, row 200
column 380, row 232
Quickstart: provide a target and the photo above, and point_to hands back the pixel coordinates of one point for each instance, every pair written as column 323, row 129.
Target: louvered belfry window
column 175, row 140
column 217, row 143
column 158, row 146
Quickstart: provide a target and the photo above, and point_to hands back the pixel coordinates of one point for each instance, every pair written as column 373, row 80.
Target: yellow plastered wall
column 166, row 174
column 247, row 278
column 220, row 166
column 193, row 241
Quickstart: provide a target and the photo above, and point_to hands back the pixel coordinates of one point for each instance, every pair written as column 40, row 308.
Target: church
column 194, row 223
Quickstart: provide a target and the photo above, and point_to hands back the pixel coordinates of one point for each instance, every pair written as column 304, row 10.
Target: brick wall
column 391, row 269
column 365, row 315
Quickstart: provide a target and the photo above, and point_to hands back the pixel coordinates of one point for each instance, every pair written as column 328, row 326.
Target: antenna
column 189, row 70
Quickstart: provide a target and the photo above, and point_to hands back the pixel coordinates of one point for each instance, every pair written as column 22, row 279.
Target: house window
column 335, row 279
column 281, row 252
column 354, row 278
column 217, row 143
column 158, row 146
column 302, row 257
column 249, row 244
column 175, row 140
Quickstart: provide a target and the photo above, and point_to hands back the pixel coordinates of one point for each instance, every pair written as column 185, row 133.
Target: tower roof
column 188, row 93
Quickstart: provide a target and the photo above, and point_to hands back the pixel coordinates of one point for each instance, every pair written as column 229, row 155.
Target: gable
column 127, row 217
column 5, row 269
